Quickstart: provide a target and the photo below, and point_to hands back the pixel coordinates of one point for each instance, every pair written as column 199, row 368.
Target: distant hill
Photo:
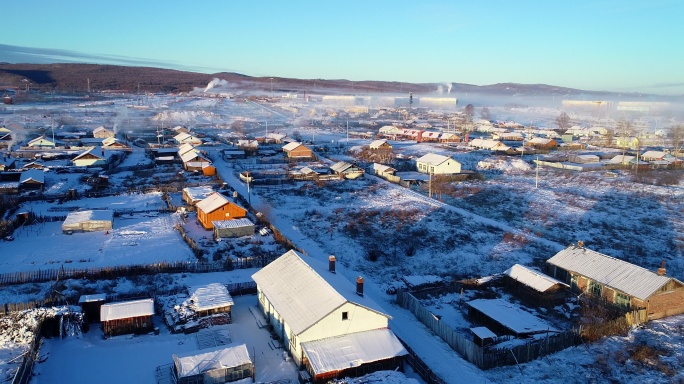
column 75, row 78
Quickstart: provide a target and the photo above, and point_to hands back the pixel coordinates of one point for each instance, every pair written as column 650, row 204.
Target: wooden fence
column 25, row 371
column 618, row 326
column 486, row 358
column 420, row 367
column 133, row 270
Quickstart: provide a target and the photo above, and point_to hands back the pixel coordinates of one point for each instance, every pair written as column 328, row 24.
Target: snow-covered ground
column 376, row 229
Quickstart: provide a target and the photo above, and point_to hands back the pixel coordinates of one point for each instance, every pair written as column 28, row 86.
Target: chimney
column 662, row 271
column 580, row 244
column 331, row 263
column 359, row 286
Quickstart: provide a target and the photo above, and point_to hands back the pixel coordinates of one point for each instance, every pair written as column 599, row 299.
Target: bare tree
column 624, row 131
column 677, row 133
column 469, row 111
column 563, row 121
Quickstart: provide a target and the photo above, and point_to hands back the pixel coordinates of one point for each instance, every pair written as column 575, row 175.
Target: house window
column 345, row 315
column 573, row 282
column 595, row 289
column 622, row 300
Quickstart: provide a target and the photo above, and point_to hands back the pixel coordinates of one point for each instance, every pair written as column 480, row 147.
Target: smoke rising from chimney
column 214, row 83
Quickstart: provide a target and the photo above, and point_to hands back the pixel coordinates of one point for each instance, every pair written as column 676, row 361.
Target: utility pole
column 347, row 133
column 536, row 178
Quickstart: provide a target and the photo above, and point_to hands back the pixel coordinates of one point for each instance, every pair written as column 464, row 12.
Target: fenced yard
column 486, row 358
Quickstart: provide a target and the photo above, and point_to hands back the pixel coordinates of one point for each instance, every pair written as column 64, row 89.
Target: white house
column 185, row 137
column 92, row 157
column 103, row 133
column 304, row 302
column 435, row 164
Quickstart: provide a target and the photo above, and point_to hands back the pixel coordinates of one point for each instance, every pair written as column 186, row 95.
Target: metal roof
column 233, row 223
column 614, row 273
column 433, row 159
column 305, row 292
column 533, row 279
column 218, row 358
column 127, row 309
column 212, row 202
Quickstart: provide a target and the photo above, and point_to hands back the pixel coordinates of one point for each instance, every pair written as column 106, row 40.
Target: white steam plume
column 214, row 83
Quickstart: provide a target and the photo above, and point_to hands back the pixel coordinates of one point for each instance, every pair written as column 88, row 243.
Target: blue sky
column 623, row 46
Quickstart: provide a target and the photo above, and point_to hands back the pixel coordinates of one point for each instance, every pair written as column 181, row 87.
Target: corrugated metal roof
column 222, row 357
column 533, row 279
column 127, row 309
column 352, row 350
column 511, row 316
column 234, row 223
column 300, row 293
column 340, row 166
column 618, row 274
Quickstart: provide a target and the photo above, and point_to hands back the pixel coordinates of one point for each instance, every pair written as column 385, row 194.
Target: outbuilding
column 127, row 317
column 217, row 365
column 88, row 221
column 233, row 228
column 217, row 207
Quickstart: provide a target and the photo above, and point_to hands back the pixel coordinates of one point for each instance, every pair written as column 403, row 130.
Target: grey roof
column 625, row 277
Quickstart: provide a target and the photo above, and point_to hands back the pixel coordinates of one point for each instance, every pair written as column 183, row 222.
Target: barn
column 88, row 221
column 233, row 228
column 217, row 207
column 217, row 365
column 127, row 317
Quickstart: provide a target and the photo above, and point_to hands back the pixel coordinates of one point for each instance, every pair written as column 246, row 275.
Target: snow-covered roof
column 303, row 291
column 511, row 316
column 483, row 332
column 291, row 146
column 127, row 309
column 621, row 159
column 623, row 276
column 198, row 193
column 234, row 223
column 658, row 155
column 533, row 279
column 212, row 202
column 352, row 350
column 92, row 298
column 32, row 174
column 93, row 151
column 340, row 166
column 190, row 156
column 377, row 144
column 185, row 148
column 83, row 216
column 210, row 296
column 433, row 159
column 383, row 168
column 224, row 356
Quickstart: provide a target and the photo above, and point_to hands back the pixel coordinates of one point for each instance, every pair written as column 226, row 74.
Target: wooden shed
column 217, row 207
column 127, row 317
column 193, row 195
column 534, row 286
column 210, row 299
column 233, row 228
column 88, row 221
column 217, row 365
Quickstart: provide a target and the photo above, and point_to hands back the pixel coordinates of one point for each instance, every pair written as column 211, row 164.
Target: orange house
column 217, row 207
column 295, row 149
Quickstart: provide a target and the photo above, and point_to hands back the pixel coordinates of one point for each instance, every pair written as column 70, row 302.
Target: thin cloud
column 19, row 55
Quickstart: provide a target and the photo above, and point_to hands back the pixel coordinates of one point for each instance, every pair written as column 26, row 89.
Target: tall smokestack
column 662, row 271
column 331, row 263
column 359, row 286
